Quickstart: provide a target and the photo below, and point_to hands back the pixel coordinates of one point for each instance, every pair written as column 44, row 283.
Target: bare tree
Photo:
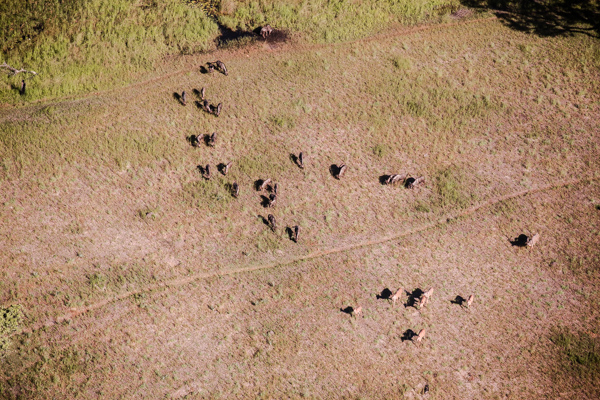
column 14, row 71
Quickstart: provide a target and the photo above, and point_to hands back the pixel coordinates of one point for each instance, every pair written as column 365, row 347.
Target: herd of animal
column 417, row 298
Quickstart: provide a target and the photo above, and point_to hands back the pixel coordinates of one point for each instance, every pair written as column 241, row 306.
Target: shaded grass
column 580, row 358
column 451, row 189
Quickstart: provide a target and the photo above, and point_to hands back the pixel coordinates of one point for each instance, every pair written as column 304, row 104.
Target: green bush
column 10, row 321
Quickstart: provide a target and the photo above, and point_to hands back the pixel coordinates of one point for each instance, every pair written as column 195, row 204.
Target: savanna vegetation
column 124, row 273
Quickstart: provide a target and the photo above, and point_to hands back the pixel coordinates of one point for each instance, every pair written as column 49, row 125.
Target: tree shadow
column 385, row 294
column 519, row 241
column 545, row 18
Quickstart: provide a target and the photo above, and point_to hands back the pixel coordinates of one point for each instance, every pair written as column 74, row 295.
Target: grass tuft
column 10, row 321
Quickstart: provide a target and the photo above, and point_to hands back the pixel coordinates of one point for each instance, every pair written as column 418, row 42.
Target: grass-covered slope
column 80, row 46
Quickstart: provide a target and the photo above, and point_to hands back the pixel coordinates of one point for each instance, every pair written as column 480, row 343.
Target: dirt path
column 74, row 312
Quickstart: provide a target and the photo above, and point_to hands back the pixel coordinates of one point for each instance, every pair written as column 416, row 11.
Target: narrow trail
column 250, row 49
column 74, row 312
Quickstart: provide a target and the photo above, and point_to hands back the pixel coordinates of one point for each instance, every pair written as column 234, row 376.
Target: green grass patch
column 449, row 185
column 581, row 353
column 10, row 321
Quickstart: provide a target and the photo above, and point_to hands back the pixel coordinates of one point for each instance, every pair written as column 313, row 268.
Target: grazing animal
column 236, row 189
column 397, row 295
column 533, row 240
column 202, row 93
column 395, row 179
column 194, row 140
column 206, row 106
column 275, row 187
column 425, row 298
column 420, row 336
column 183, row 98
column 206, row 172
column 296, row 232
column 226, row 167
column 264, row 184
column 212, row 139
column 22, row 91
column 217, row 111
column 341, row 170
column 272, row 200
column 415, row 182
column 470, row 300
column 221, row 66
column 357, row 311
column 266, row 31
column 211, row 67
column 272, row 222
column 301, row 160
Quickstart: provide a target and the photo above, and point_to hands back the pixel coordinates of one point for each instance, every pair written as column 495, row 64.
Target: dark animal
column 275, row 187
column 236, row 189
column 22, row 91
column 212, row 139
column 341, row 170
column 218, row 109
column 266, row 31
column 301, row 160
column 206, row 172
column 296, row 232
column 272, row 222
column 211, row 67
column 221, row 66
column 206, row 106
column 225, row 169
column 183, row 98
column 272, row 199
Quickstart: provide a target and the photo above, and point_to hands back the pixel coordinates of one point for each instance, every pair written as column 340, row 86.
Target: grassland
column 122, row 259
column 79, row 47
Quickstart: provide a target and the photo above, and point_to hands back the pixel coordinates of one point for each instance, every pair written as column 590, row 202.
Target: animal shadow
column 458, row 300
column 409, row 181
column 221, row 168
column 207, row 140
column 409, row 334
column 198, row 104
column 334, row 170
column 177, row 97
column 294, row 159
column 290, row 232
column 385, row 294
column 258, row 183
column 192, row 140
column 203, row 69
column 264, row 221
column 412, row 298
column 264, row 201
column 383, row 179
column 520, row 241
column 196, row 92
column 348, row 310
column 202, row 169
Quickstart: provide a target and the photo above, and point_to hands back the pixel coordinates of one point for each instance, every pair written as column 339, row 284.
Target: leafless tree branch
column 15, row 71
